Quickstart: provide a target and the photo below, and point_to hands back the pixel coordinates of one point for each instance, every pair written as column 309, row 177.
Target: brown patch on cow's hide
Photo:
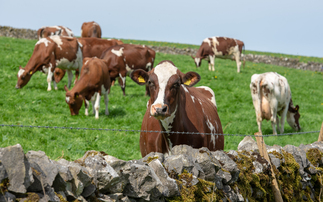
column 225, row 44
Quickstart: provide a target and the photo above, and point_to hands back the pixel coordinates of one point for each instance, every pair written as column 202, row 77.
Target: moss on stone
column 150, row 159
column 314, row 156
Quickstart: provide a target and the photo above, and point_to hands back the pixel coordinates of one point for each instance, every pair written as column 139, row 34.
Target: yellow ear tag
column 141, row 79
column 188, row 82
column 30, row 72
column 76, row 96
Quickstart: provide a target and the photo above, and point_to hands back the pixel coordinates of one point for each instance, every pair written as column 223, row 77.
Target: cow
column 91, row 29
column 176, row 106
column 271, row 96
column 123, row 59
column 49, row 53
column 44, row 32
column 219, row 47
column 55, row 51
column 94, row 81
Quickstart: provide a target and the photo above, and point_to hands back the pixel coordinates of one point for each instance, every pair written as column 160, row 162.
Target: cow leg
column 96, row 106
column 55, row 85
column 211, row 62
column 49, row 78
column 86, row 104
column 273, row 109
column 282, row 120
column 70, row 77
column 122, row 82
column 237, row 57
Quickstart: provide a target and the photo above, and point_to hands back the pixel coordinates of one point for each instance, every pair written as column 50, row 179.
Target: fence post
column 263, row 152
column 321, row 134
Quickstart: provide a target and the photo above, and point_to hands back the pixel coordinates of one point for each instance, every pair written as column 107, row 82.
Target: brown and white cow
column 91, row 47
column 94, row 81
column 125, row 58
column 219, row 47
column 50, row 52
column 44, row 32
column 176, row 106
column 271, row 96
column 91, row 29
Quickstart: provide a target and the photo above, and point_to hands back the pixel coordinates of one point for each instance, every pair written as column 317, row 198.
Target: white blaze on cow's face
column 164, row 88
column 197, row 62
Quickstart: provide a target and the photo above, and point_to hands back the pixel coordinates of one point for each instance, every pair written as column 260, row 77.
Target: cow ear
column 296, row 108
column 65, row 88
column 139, row 76
column 20, row 67
column 191, row 78
column 193, row 57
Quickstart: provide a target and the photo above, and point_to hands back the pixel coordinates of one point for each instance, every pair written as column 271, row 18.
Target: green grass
column 33, row 105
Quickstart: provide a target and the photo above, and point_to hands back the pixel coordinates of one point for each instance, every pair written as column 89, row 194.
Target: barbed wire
column 151, row 131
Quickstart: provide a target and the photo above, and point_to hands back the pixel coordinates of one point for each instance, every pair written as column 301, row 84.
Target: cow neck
column 34, row 64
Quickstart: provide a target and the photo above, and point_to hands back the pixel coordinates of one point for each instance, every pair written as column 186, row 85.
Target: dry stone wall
column 186, row 175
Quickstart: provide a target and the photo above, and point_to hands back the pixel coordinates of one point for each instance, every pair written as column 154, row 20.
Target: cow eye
column 150, row 83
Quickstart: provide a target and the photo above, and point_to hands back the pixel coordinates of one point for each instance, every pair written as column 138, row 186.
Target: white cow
column 271, row 97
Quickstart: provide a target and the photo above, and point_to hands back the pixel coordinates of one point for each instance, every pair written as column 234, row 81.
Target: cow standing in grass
column 125, row 58
column 64, row 52
column 94, row 82
column 91, row 29
column 176, row 106
column 49, row 53
column 219, row 47
column 271, row 96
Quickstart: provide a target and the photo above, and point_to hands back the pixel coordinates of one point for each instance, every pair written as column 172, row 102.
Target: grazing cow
column 125, row 58
column 271, row 97
column 91, row 29
column 49, row 53
column 44, row 32
column 94, row 81
column 175, row 106
column 219, row 47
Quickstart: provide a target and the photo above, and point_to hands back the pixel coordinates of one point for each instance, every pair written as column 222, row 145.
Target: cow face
column 164, row 83
column 293, row 117
column 23, row 77
column 197, row 61
column 59, row 74
column 74, row 101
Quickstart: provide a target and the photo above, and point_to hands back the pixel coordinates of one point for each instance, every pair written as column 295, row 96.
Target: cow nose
column 17, row 87
column 162, row 110
column 159, row 110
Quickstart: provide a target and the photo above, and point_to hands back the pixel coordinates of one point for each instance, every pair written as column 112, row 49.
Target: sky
column 287, row 26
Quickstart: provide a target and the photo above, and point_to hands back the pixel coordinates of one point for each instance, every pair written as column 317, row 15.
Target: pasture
column 33, row 105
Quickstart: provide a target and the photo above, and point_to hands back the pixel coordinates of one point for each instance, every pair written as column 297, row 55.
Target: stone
column 247, row 144
column 17, row 168
column 228, row 164
column 44, row 170
column 170, row 186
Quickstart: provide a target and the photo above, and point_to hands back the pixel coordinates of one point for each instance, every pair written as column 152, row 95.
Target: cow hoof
column 49, row 89
column 56, row 88
column 96, row 117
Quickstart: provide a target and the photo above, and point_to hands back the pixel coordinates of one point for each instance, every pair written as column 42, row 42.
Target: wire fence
column 150, row 131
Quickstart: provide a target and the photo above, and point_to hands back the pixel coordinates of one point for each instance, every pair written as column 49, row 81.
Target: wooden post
column 321, row 134
column 263, row 152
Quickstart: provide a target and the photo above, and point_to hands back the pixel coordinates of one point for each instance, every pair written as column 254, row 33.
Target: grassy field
column 33, row 105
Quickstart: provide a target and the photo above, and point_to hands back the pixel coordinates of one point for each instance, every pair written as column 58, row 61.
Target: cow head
column 59, row 74
column 164, row 82
column 293, row 116
column 197, row 61
column 74, row 101
column 23, row 77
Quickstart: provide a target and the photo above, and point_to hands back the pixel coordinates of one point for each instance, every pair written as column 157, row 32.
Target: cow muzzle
column 159, row 111
column 17, row 87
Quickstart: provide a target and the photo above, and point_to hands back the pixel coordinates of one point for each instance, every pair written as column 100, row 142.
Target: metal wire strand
column 151, row 131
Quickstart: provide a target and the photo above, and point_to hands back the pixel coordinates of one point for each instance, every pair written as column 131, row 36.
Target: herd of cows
column 174, row 104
